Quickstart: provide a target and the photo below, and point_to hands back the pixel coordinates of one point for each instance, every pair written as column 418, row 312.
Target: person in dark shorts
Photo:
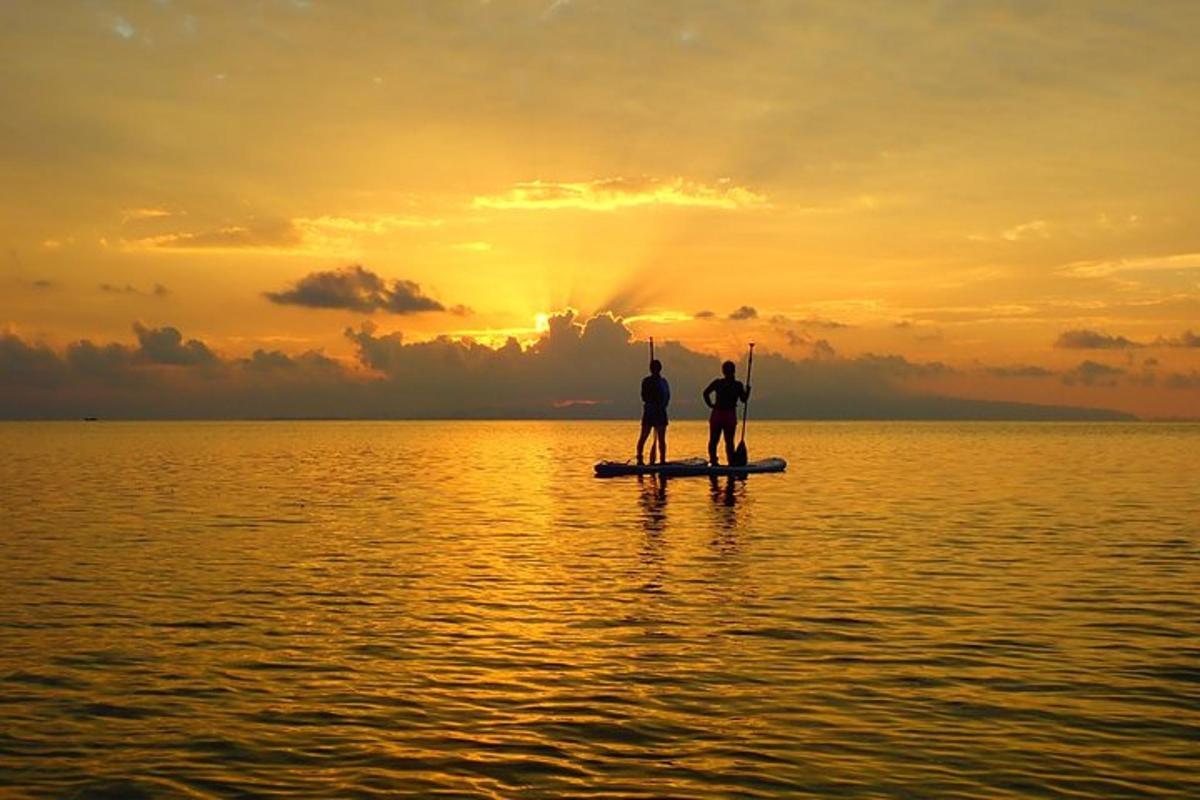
column 722, row 397
column 656, row 394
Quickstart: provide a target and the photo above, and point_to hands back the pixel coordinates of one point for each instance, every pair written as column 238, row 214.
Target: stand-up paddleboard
column 687, row 468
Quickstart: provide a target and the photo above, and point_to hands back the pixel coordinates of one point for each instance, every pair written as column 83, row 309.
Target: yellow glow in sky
column 998, row 187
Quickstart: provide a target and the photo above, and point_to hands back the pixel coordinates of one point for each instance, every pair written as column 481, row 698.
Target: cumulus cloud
column 578, row 368
column 166, row 346
column 354, row 288
column 744, row 313
column 1092, row 340
column 611, row 194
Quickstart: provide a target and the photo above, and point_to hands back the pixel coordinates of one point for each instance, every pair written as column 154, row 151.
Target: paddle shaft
column 746, row 405
column 654, row 436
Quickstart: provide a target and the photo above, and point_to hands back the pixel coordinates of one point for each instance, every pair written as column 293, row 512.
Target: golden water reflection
column 320, row 609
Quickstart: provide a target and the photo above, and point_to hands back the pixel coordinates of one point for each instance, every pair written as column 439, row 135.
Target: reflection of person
column 656, row 395
column 724, row 497
column 722, row 397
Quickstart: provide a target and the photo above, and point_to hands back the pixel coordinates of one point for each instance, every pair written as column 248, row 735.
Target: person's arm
column 712, row 387
column 666, row 392
column 745, row 393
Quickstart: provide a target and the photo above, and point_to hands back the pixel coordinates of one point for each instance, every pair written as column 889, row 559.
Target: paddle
column 654, row 440
column 740, row 457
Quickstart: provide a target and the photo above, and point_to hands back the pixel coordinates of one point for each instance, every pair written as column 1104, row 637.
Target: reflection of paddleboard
column 686, row 468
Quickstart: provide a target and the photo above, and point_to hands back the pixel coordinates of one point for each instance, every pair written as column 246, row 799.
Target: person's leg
column 729, row 431
column 714, row 436
column 642, row 442
column 661, row 432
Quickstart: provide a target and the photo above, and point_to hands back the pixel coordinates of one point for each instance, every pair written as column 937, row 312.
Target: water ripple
column 457, row 610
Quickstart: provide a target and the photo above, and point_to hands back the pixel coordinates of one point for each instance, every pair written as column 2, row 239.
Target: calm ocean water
column 328, row 610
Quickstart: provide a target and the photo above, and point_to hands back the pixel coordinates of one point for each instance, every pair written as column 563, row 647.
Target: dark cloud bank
column 575, row 370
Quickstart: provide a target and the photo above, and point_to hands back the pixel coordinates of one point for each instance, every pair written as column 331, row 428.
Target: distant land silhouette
column 575, row 370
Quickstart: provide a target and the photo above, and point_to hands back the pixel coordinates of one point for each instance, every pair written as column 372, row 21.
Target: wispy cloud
column 1035, row 229
column 123, row 28
column 255, row 234
column 158, row 290
column 132, row 214
column 1093, row 340
column 1020, row 371
column 1105, row 267
column 612, row 194
column 329, row 234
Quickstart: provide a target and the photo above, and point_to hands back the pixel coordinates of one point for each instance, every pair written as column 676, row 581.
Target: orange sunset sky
column 1009, row 190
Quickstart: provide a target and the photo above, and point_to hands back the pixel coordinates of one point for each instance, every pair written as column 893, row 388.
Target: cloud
column 744, row 313
column 1022, row 371
column 256, row 234
column 123, row 28
column 1185, row 339
column 158, row 290
column 43, row 283
column 1180, row 380
column 133, row 214
column 809, row 322
column 797, row 338
column 1092, row 373
column 611, row 194
column 704, row 314
column 1036, row 229
column 1093, row 340
column 273, row 361
column 1176, row 263
column 823, row 350
column 322, row 234
column 27, row 365
column 578, row 368
column 166, row 346
column 354, row 288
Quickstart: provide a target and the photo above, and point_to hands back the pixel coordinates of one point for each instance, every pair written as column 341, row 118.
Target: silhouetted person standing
column 656, row 395
column 722, row 397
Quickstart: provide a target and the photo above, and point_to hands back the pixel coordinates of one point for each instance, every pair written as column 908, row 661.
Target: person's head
column 655, row 367
column 727, row 369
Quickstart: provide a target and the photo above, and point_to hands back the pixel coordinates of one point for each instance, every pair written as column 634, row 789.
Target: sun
column 541, row 322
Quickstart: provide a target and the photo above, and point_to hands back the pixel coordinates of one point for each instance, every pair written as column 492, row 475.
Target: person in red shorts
column 722, row 397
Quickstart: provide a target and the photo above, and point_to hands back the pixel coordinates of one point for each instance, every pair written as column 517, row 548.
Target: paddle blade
column 739, row 456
